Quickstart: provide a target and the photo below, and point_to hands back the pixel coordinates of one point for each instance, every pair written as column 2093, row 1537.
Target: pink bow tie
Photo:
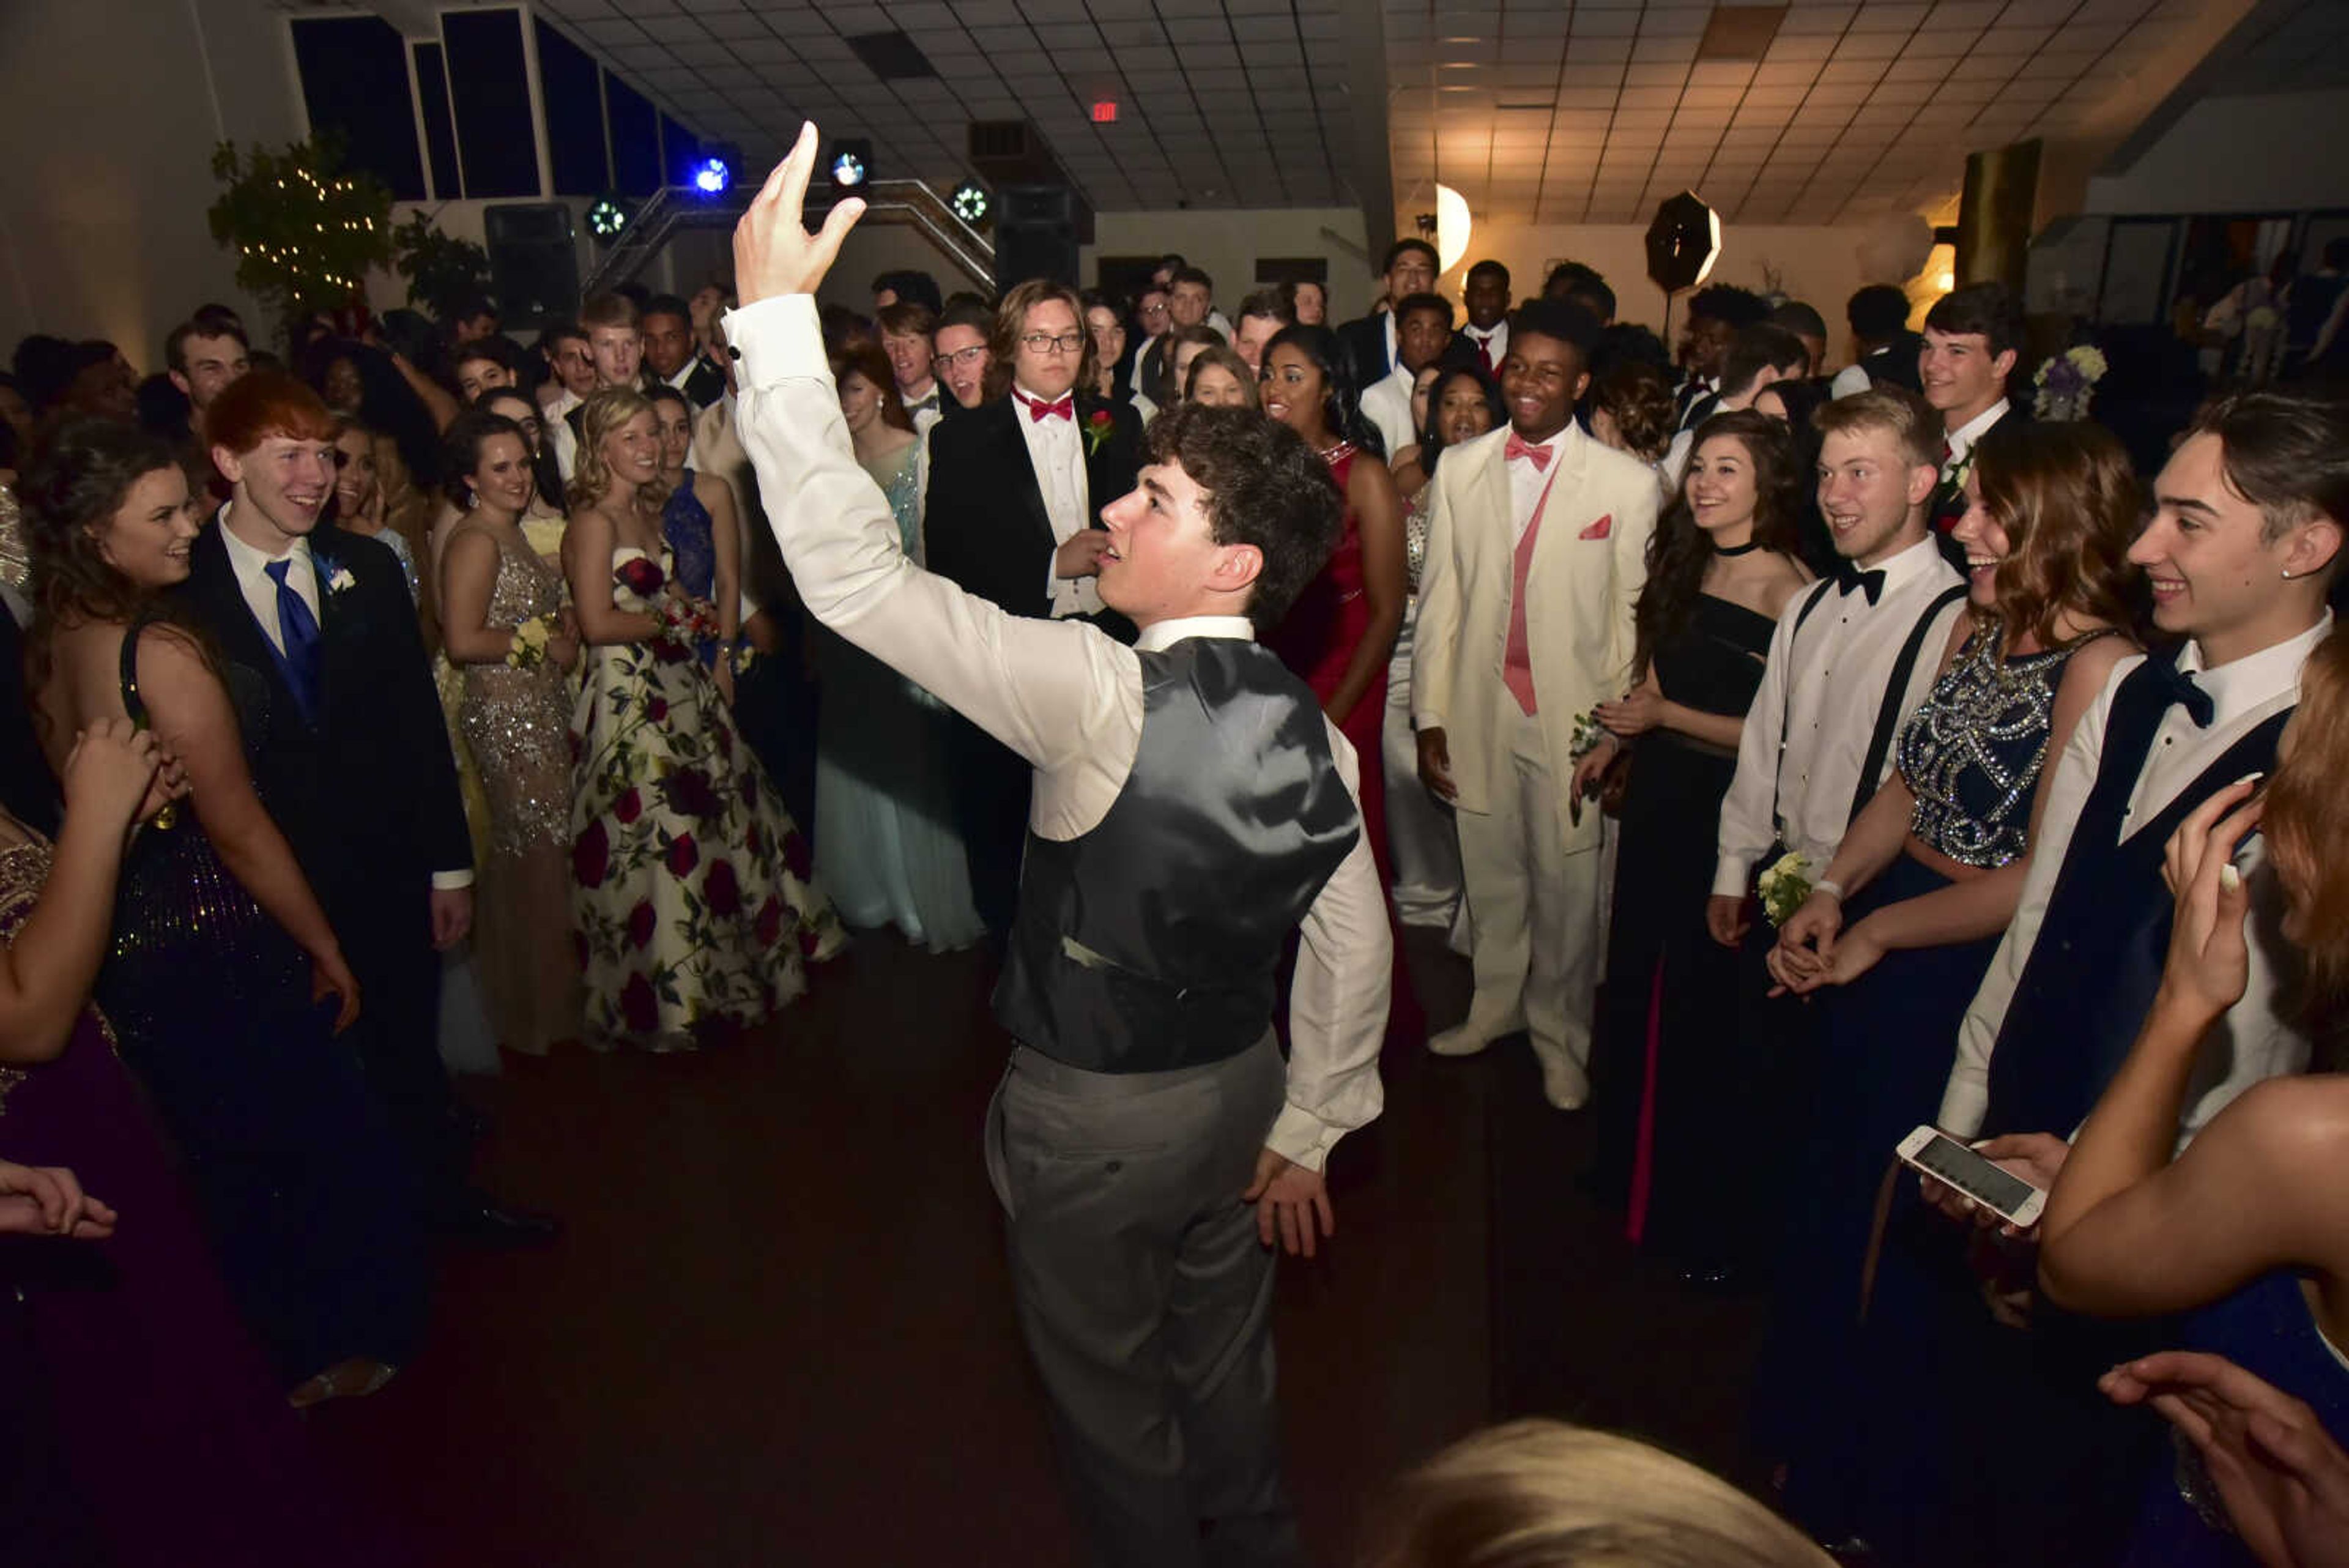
column 1538, row 456
column 1039, row 412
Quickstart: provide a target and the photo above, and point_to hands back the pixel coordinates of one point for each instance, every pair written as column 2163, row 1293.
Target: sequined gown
column 517, row 726
column 309, row 1200
column 1971, row 753
column 887, row 849
column 162, row 1411
column 690, row 884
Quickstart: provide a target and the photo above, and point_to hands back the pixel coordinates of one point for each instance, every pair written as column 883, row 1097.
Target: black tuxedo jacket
column 1365, row 340
column 705, row 386
column 368, row 795
column 985, row 524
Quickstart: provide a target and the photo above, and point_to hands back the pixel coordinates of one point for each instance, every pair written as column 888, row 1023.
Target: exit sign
column 1105, row 112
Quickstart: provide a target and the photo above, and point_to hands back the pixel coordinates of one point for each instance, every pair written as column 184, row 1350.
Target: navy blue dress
column 693, row 546
column 307, row 1195
column 1971, row 754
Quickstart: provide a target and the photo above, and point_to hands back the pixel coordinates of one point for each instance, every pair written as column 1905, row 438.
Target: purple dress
column 163, row 1414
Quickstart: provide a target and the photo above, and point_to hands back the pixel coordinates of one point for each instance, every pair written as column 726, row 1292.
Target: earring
column 2287, row 576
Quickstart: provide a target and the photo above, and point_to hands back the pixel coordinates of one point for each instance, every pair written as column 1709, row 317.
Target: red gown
column 1317, row 639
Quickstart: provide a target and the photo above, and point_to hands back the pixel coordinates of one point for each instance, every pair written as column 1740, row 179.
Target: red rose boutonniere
column 1099, row 425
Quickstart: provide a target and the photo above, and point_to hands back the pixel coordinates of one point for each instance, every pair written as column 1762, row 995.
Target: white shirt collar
column 1917, row 558
column 563, row 404
column 2246, row 683
column 1165, row 634
column 248, row 561
column 1486, row 334
column 1962, row 440
column 682, row 376
column 1549, row 445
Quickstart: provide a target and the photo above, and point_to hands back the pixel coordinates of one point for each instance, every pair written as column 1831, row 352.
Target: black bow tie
column 2180, row 689
column 1848, row 576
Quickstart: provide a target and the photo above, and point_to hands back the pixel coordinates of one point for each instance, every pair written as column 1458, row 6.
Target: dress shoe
column 1461, row 1040
column 473, row 1216
column 1565, row 1085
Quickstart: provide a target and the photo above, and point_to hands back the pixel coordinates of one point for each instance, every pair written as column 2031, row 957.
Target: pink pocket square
column 1599, row 529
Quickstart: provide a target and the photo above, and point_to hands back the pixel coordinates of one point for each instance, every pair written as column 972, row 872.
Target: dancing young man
column 1192, row 807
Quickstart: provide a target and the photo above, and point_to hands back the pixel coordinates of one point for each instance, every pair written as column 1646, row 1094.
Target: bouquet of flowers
column 641, row 587
column 2066, row 383
column 1785, row 887
column 531, row 640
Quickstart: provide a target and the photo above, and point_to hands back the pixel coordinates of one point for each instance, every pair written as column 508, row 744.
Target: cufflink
column 732, row 352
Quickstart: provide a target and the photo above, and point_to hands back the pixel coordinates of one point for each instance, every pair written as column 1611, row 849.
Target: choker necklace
column 1747, row 548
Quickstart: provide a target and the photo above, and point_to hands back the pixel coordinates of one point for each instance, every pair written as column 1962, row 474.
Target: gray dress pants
column 1146, row 1299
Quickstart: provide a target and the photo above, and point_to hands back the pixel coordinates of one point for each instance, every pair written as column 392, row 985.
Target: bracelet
column 1831, row 886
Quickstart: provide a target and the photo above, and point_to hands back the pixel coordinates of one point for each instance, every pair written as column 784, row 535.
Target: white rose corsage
column 530, row 644
column 337, row 576
column 1785, row 887
column 1588, row 732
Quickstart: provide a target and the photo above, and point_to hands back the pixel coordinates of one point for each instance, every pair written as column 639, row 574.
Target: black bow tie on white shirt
column 2181, row 690
column 1848, row 576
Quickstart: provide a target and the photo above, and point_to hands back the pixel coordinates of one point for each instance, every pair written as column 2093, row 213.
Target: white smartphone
column 1993, row 1186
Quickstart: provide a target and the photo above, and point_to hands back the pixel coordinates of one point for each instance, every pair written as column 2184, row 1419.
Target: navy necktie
column 298, row 629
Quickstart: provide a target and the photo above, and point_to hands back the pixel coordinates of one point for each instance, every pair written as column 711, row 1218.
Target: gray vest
column 1153, row 941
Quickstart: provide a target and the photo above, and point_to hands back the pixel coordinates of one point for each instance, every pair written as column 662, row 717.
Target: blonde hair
column 602, row 413
column 1542, row 1494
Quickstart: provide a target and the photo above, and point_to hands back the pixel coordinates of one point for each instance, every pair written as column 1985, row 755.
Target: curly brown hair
column 1679, row 551
column 2064, row 494
column 77, row 482
column 2306, row 821
column 1638, row 397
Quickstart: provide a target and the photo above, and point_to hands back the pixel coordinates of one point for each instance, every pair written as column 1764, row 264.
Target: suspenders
column 1887, row 713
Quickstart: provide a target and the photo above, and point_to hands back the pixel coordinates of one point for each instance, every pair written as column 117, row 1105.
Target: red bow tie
column 1538, row 456
column 1039, row 412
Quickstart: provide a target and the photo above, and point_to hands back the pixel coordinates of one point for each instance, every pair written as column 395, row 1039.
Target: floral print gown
column 690, row 895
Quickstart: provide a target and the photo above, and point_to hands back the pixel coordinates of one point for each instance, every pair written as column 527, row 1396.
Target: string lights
column 304, row 234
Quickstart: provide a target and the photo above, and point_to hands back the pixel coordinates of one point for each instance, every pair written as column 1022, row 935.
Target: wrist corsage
column 531, row 640
column 1588, row 735
column 1785, row 887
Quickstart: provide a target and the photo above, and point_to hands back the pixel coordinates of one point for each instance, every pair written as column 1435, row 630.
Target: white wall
column 1224, row 242
column 2279, row 152
column 112, row 109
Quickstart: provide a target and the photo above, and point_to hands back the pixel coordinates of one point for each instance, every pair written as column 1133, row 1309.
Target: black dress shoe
column 475, row 1218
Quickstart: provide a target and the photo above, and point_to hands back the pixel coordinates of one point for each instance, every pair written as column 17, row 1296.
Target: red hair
column 264, row 403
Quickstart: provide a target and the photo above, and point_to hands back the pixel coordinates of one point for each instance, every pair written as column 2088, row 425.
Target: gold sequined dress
column 517, row 724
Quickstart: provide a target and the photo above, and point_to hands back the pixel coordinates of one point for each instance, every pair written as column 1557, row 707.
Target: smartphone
column 1944, row 1159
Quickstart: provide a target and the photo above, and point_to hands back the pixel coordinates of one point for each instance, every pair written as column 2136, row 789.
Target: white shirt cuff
column 449, row 881
column 1732, row 878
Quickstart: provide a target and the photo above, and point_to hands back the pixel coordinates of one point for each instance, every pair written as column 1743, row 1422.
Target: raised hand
column 774, row 253
column 2208, row 962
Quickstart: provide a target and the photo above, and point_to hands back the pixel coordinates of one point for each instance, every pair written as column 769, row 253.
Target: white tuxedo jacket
column 1588, row 566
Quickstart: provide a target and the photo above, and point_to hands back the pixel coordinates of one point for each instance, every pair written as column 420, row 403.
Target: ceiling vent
column 1740, row 32
column 893, row 56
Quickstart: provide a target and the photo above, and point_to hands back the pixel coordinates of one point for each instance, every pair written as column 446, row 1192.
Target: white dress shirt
column 1067, row 698
column 1853, row 378
column 1822, row 692
column 1386, row 403
column 260, row 590
column 1056, row 453
column 2257, row 1038
column 1674, row 462
column 924, row 411
column 1528, row 485
column 1496, row 341
column 554, row 425
column 1962, row 440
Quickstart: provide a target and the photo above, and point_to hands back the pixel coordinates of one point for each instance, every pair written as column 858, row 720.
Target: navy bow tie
column 1848, row 576
column 2180, row 689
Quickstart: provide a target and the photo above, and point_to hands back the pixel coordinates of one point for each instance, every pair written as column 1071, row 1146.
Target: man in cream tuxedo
column 1536, row 551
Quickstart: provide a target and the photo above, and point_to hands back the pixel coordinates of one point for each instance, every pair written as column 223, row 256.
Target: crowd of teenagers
column 1797, row 759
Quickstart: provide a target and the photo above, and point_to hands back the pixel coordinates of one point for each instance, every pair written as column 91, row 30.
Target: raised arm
column 47, row 970
column 1039, row 687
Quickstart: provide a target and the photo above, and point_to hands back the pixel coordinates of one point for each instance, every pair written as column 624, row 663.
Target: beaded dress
column 516, row 723
column 1971, row 753
column 309, row 1201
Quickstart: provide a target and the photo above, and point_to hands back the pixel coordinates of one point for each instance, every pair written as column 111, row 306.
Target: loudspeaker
column 534, row 261
column 1035, row 235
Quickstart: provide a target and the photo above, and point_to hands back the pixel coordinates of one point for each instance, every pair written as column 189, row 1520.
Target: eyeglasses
column 1046, row 343
column 962, row 357
column 1158, row 309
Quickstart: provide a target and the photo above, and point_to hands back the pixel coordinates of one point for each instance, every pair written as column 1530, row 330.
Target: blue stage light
column 712, row 176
